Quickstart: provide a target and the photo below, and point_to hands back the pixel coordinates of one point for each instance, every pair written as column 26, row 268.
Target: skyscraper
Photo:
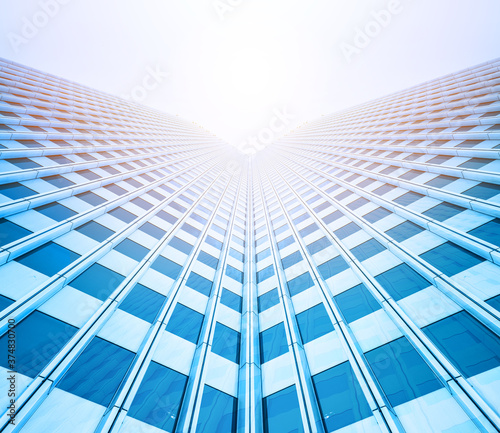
column 346, row 278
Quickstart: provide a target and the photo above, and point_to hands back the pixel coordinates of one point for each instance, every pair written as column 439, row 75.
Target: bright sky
column 232, row 65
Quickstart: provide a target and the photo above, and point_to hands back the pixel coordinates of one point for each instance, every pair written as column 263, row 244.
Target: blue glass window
column 236, row 254
column 143, row 303
column 376, row 215
column 451, row 259
column 268, row 300
column 97, row 281
column 384, row 189
column 177, row 206
column 332, row 267
column 10, row 232
column 483, row 191
column 159, row 397
column 199, row 283
column 265, row 273
column 132, row 249
column 408, row 198
column 441, row 181
column 58, row 181
column 489, row 232
column 291, row 259
column 91, row 198
column 300, row 283
column 308, row 230
column 152, row 230
column 285, row 242
column 56, row 211
column 146, row 205
column 95, row 231
column 467, row 343
column 341, row 399
column 410, row 175
column 273, row 343
column 367, row 249
column 217, row 412
column 208, row 259
column 347, row 230
column 231, row 300
column 262, row 255
column 357, row 203
column 301, row 218
column 181, row 245
column 48, row 258
column 475, row 163
column 333, row 217
column 23, row 163
column 123, row 215
column 404, row 231
column 318, row 245
column 402, row 281
column 185, row 323
column 281, row 229
column 98, row 371
column 15, row 191
column 167, row 267
column 443, row 211
column 322, row 207
column 356, row 303
column 282, row 412
column 191, row 230
column 494, row 302
column 214, row 242
column 39, row 337
column 402, row 372
column 314, row 323
column 226, row 343
column 165, row 216
column 115, row 189
column 88, row 174
column 235, row 274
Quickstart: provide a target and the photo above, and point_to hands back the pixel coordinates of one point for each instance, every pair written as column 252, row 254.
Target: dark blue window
column 146, row 205
column 39, row 337
column 285, row 242
column 15, row 191
column 265, row 273
column 199, row 283
column 489, row 232
column 443, row 211
column 451, row 259
column 235, row 274
column 5, row 302
column 308, row 230
column 152, row 230
column 159, row 397
column 217, row 412
column 467, row 343
column 123, row 215
column 98, row 371
column 282, row 412
column 341, row 399
column 10, row 232
column 347, row 230
column 291, row 260
column 132, row 249
column 408, row 198
column 167, row 267
column 56, row 211
column 262, row 255
column 376, row 215
column 95, row 231
column 332, row 267
column 237, row 255
column 23, row 163
column 48, row 259
column 60, row 159
column 273, row 343
column 181, row 245
column 97, row 281
column 268, row 300
column 356, row 303
column 185, row 323
column 208, row 259
column 402, row 372
column 333, row 217
column 143, row 303
column 404, row 231
column 494, row 302
column 231, row 300
column 214, row 242
column 318, row 245
column 367, row 249
column 58, row 181
column 402, row 281
column 314, row 323
column 441, row 181
column 300, row 283
column 91, row 198
column 483, row 191
column 226, row 343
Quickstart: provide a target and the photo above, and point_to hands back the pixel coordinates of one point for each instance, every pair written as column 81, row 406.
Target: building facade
column 346, row 278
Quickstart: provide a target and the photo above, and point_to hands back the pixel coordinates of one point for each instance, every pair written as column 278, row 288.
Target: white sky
column 230, row 71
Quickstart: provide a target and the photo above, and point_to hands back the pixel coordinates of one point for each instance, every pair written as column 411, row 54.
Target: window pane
column 226, row 343
column 95, row 231
column 167, row 267
column 443, row 211
column 402, row 281
column 217, row 412
column 199, row 283
column 132, row 249
column 48, row 259
column 181, row 245
column 356, row 303
column 291, row 260
column 268, row 300
column 10, row 232
column 185, row 323
column 404, row 231
column 208, row 259
column 265, row 273
column 451, row 259
column 143, row 303
column 56, row 211
column 314, row 323
column 282, row 412
column 273, row 343
column 231, row 300
column 489, row 232
column 97, row 281
column 332, row 267
column 300, row 283
column 318, row 245
column 367, row 249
